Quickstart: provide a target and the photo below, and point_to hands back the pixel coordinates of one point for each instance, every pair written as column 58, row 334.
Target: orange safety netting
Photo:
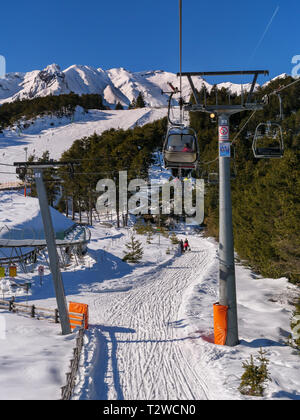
column 80, row 309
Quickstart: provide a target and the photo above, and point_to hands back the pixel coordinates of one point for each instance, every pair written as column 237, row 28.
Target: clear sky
column 144, row 34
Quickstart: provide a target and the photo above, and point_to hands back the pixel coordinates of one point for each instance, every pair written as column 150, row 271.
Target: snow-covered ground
column 151, row 335
column 34, row 358
column 151, row 327
column 56, row 135
column 20, row 217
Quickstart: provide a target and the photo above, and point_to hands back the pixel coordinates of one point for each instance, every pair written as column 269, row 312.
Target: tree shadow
column 287, row 395
column 12, row 142
column 102, row 358
column 262, row 342
column 108, row 267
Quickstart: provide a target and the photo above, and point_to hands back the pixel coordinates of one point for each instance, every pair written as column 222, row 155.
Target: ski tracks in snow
column 135, row 348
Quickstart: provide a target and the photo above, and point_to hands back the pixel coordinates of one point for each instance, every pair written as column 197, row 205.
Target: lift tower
column 37, row 168
column 227, row 283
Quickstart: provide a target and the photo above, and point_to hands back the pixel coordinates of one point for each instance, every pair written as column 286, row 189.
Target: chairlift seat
column 174, row 154
column 180, row 157
column 267, row 152
column 270, row 151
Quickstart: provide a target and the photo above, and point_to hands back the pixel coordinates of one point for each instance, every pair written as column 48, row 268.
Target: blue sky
column 143, row 34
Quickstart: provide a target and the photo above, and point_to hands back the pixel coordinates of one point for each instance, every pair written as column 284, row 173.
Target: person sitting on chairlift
column 187, row 148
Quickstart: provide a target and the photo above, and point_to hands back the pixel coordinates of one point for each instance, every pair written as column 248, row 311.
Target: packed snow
column 56, row 135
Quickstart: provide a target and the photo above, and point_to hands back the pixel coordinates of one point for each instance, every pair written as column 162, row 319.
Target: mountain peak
column 52, row 68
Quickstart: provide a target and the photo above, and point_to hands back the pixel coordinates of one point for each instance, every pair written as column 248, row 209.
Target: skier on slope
column 186, row 245
column 181, row 246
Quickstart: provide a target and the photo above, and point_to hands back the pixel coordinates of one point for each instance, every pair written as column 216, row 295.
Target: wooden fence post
column 56, row 316
column 10, row 305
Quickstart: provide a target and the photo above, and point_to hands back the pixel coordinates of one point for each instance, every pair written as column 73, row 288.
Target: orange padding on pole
column 79, row 308
column 220, row 323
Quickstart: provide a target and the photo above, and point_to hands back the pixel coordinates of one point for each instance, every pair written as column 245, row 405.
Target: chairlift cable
column 285, row 87
column 212, row 161
column 273, row 93
column 260, row 150
column 251, row 116
column 180, row 60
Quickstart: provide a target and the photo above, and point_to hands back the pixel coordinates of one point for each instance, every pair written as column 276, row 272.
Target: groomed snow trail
column 135, row 348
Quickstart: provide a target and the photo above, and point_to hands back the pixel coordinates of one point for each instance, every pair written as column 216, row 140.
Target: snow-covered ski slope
column 151, row 334
column 142, row 335
column 151, row 327
column 58, row 134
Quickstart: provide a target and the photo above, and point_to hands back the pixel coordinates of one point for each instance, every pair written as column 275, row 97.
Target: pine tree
column 119, row 106
column 295, row 327
column 135, row 251
column 174, row 239
column 255, row 377
column 149, row 236
column 140, row 103
column 49, row 176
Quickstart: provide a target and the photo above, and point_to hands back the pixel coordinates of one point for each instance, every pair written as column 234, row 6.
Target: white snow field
column 151, row 335
column 34, row 358
column 56, row 135
column 151, row 327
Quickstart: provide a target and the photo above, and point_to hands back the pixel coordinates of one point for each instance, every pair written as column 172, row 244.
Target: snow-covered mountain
column 115, row 85
column 29, row 85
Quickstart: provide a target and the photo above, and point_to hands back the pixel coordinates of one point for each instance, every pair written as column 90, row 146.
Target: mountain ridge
column 115, row 85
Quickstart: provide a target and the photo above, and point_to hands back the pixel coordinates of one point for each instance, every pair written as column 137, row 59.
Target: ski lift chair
column 268, row 141
column 174, row 155
column 213, row 178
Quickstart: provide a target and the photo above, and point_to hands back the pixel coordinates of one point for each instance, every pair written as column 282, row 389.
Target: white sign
column 223, row 132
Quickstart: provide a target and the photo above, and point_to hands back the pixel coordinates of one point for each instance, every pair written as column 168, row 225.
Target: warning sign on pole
column 224, row 149
column 223, row 132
